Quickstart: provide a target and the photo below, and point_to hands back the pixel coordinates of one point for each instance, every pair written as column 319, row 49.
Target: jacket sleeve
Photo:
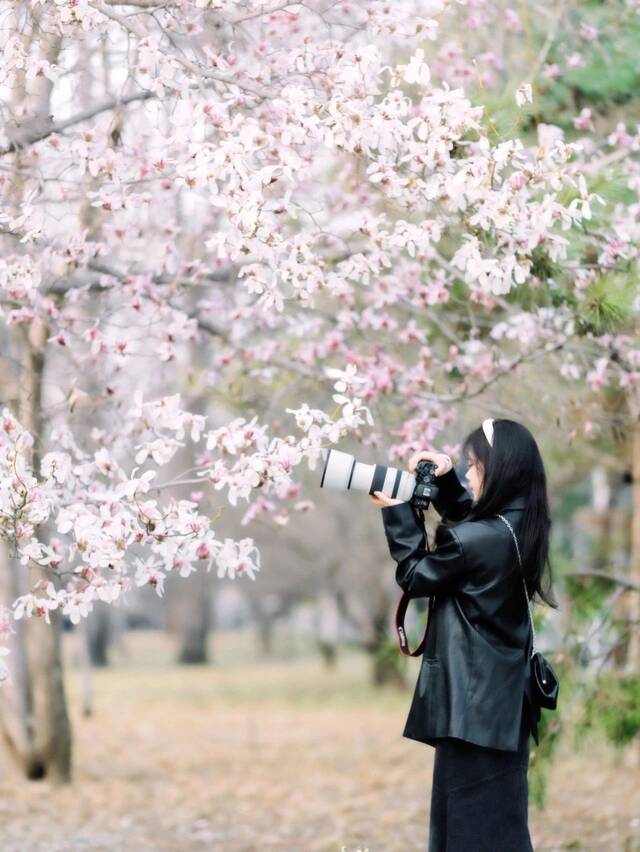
column 453, row 501
column 419, row 572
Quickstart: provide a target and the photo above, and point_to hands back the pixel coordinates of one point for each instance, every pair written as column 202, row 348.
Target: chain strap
column 534, row 648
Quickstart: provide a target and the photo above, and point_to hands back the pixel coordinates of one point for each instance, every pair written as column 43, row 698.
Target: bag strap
column 401, row 610
column 533, row 631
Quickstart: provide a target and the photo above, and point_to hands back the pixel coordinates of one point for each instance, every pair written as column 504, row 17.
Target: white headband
column 487, row 426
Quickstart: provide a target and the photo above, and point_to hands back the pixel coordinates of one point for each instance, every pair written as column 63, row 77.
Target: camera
column 343, row 473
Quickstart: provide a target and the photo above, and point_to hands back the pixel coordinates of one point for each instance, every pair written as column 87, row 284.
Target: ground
column 244, row 755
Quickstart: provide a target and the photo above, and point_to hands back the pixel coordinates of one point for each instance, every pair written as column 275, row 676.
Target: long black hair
column 513, row 467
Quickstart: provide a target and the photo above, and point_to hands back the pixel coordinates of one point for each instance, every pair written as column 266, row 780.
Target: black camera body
column 426, row 489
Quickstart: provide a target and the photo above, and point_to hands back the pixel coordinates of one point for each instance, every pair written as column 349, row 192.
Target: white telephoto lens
column 343, row 473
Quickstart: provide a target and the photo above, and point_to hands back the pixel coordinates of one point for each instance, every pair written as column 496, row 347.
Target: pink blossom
column 583, row 121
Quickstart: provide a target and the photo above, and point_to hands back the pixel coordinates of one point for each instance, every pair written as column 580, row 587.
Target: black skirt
column 480, row 796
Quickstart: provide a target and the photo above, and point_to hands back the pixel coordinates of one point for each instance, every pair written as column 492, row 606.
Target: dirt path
column 272, row 757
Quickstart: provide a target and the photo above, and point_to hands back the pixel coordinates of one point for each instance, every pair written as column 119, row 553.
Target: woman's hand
column 381, row 499
column 443, row 461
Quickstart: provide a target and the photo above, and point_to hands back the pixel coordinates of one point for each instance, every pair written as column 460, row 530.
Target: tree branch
column 196, row 70
column 83, row 115
column 526, row 356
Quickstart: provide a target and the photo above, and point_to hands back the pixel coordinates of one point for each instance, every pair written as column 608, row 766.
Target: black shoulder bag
column 543, row 682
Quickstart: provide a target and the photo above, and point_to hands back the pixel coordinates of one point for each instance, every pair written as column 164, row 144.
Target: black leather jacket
column 475, row 663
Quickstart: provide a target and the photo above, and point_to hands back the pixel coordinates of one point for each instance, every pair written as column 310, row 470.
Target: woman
column 470, row 700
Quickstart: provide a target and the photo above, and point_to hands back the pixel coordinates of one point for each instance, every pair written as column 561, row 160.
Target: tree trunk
column 196, row 618
column 633, row 653
column 33, row 713
column 385, row 656
column 327, row 627
column 98, row 634
column 631, row 758
column 265, row 624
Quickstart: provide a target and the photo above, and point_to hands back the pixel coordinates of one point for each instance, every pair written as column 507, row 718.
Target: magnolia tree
column 305, row 192
column 111, row 533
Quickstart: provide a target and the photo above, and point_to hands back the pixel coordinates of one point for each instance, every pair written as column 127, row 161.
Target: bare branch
column 195, row 69
column 167, row 4
column 83, row 115
column 526, row 356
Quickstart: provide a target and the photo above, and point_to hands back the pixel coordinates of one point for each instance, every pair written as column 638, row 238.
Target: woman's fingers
column 381, row 499
column 442, row 460
column 416, row 457
column 444, row 464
